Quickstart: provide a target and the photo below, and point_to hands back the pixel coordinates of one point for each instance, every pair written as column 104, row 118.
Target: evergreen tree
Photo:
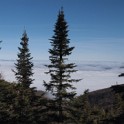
column 19, row 105
column 60, row 71
column 81, row 108
column 1, row 77
column 24, row 65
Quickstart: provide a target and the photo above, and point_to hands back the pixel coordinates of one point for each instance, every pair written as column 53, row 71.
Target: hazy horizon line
column 67, row 60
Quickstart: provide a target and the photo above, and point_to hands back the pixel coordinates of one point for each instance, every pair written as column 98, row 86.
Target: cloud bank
column 95, row 75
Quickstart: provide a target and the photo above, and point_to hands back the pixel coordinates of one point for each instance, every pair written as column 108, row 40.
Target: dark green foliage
column 61, row 83
column 6, row 96
column 104, row 106
column 24, row 65
column 81, row 109
column 27, row 107
column 19, row 105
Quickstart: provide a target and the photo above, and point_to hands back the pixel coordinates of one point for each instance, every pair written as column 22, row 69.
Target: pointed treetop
column 61, row 11
column 24, row 34
column 25, row 37
column 61, row 8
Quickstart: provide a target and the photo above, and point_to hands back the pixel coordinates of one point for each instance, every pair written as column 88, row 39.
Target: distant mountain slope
column 102, row 98
column 105, row 97
column 112, row 101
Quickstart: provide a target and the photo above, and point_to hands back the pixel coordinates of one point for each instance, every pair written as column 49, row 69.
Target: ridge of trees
column 21, row 106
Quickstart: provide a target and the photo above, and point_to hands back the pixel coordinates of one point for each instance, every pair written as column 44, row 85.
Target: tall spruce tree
column 60, row 71
column 24, row 65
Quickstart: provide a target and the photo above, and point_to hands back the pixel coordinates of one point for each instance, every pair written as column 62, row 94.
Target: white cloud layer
column 94, row 75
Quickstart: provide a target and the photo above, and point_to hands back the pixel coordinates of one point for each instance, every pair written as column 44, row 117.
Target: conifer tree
column 1, row 77
column 60, row 69
column 24, row 65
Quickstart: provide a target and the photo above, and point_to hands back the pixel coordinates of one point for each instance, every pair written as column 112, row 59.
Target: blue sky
column 96, row 27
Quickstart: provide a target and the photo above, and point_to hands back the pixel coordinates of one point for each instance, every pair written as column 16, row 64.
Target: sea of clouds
column 94, row 74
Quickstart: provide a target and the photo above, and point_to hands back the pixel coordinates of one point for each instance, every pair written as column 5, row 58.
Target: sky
column 96, row 28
